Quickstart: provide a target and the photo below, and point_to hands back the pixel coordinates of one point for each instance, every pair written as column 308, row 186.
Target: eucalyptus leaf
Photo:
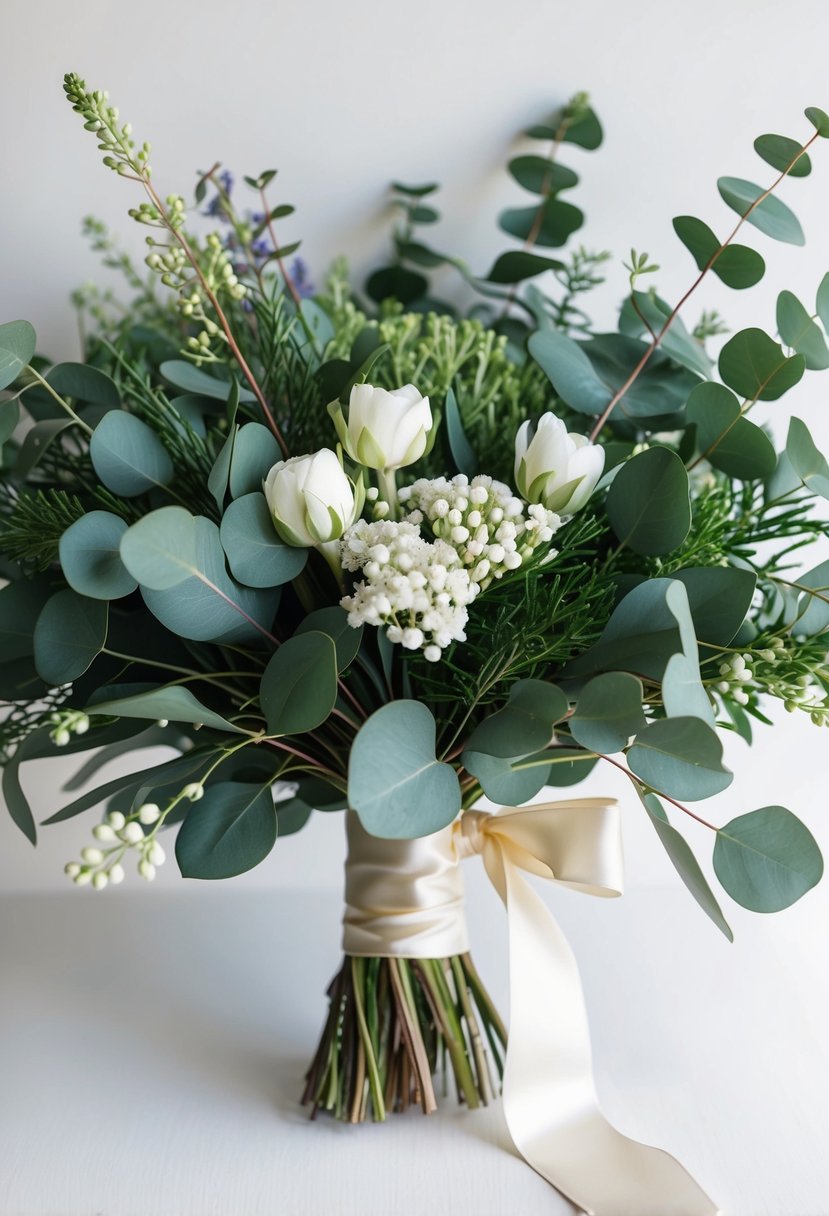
column 516, row 265
column 681, row 757
column 783, row 154
column 9, row 418
column 540, row 175
column 649, row 504
column 229, row 831
column 255, row 554
column 192, row 379
column 254, row 454
column 159, row 551
column 810, row 464
column 525, row 724
column 21, row 603
column 333, row 622
column 37, row 441
column 128, row 456
column 737, row 266
column 813, row 605
column 70, row 632
column 90, row 557
column 608, row 712
column 757, row 367
column 299, row 685
column 460, row 447
column 173, row 702
column 218, row 478
column 819, row 120
column 726, row 439
column 558, row 222
column 509, row 782
column 17, row 346
column 570, row 371
column 798, row 331
column 85, row 383
column 767, row 859
column 770, row 215
column 396, row 784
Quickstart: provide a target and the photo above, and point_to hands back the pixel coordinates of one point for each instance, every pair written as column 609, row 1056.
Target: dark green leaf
column 719, row 598
column 756, row 366
column 292, row 814
column 219, row 476
column 677, row 342
column 822, row 303
column 255, row 554
column 819, row 120
column 415, row 191
column 608, row 712
column 540, row 175
column 90, row 557
column 767, row 859
column 569, row 766
column 334, row 623
column 229, row 831
column 649, row 504
column 660, row 389
column 20, row 605
column 70, row 631
column 518, row 265
column 798, row 331
column 299, row 686
column 85, row 383
column 551, row 223
column 9, row 418
column 38, row 440
column 771, row 215
column 810, row 464
column 396, row 784
column 737, row 266
column 681, row 757
column 398, row 283
column 727, row 440
column 570, row 371
column 779, row 152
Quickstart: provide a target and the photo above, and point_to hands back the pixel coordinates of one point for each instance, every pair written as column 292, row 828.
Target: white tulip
column 311, row 500
column 554, row 468
column 384, row 430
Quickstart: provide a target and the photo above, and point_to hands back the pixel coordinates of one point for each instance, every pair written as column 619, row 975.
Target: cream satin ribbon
column 549, row 1096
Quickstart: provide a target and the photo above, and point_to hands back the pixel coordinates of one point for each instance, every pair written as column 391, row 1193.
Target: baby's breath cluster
column 114, row 138
column 101, row 864
column 418, row 589
column 772, row 669
column 493, row 531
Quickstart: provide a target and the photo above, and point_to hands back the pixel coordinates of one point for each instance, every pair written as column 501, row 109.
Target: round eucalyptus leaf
column 292, row 814
column 570, row 371
column 808, row 462
column 90, row 557
column 160, row 550
column 737, row 266
column 255, row 554
column 779, row 152
column 509, row 782
column 569, row 766
column 255, row 452
column 767, row 859
column 193, row 380
column 83, row 382
column 396, row 784
column 518, row 264
column 525, row 724
column 798, row 331
column 540, row 175
column 398, row 283
column 299, row 685
column 649, row 505
column 728, row 441
column 681, row 757
column 128, row 456
column 334, row 623
column 819, row 120
column 70, row 631
column 17, row 345
column 558, row 222
column 227, row 832
column 608, row 712
column 771, row 215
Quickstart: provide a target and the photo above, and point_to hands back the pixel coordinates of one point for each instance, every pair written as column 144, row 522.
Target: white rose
column 311, row 500
column 384, row 430
column 554, row 468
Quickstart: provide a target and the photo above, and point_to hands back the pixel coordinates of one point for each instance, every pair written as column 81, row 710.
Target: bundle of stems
column 394, row 1025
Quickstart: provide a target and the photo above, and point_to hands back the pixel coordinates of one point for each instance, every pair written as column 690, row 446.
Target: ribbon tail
column 550, row 1102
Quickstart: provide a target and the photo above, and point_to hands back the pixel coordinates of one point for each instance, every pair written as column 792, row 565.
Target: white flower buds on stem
column 66, row 723
column 311, row 500
column 384, row 430
column 554, row 468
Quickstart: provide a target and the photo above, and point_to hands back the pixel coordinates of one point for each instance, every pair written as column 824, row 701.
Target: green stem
column 65, row 406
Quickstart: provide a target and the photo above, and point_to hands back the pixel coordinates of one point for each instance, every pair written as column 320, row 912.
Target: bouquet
column 374, row 551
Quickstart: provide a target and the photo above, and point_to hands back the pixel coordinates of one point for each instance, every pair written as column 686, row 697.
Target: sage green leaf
column 661, row 388
column 17, row 345
column 640, row 636
column 173, row 702
column 85, row 383
column 219, row 476
column 570, row 371
column 208, row 605
column 21, row 603
column 810, row 464
column 227, row 832
column 70, row 631
column 255, row 554
column 540, row 175
column 650, row 310
column 813, row 606
column 299, row 685
column 460, row 447
column 737, row 266
column 254, row 454
column 126, row 783
column 771, row 215
column 525, row 724
column 728, row 441
column 649, row 505
column 396, row 784
column 608, row 712
column 558, row 222
column 819, row 120
column 516, row 265
column 333, row 622
column 160, row 550
column 128, row 456
column 9, row 418
column 569, row 766
column 14, row 797
column 681, row 757
column 757, row 367
column 192, row 379
column 779, row 152
column 798, row 331
column 683, row 694
column 90, row 557
column 822, row 302
column 685, row 863
column 767, row 859
column 719, row 598
column 509, row 782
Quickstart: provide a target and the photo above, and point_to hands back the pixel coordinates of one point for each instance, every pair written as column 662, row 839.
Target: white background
column 344, row 97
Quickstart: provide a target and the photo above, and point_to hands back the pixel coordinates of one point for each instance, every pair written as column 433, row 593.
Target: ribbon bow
column 549, row 1097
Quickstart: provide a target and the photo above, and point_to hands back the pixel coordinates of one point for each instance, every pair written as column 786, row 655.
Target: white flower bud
column 99, row 880
column 149, row 813
column 384, row 430
column 116, row 820
column 71, row 869
column 146, row 869
column 555, row 468
column 194, row 791
column 311, row 500
column 103, row 832
column 83, row 879
column 156, row 854
column 61, row 736
column 132, row 833
column 116, row 874
column 91, row 856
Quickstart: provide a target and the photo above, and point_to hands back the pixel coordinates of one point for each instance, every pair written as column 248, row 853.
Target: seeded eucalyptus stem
column 392, row 1025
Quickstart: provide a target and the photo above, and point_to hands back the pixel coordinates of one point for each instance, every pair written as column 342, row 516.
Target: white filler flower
column 416, row 588
column 555, row 468
column 311, row 500
column 384, row 430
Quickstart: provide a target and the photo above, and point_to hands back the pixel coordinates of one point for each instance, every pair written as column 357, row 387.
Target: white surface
column 151, row 1052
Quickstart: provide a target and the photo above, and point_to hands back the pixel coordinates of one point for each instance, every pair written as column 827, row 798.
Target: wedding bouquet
column 358, row 550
